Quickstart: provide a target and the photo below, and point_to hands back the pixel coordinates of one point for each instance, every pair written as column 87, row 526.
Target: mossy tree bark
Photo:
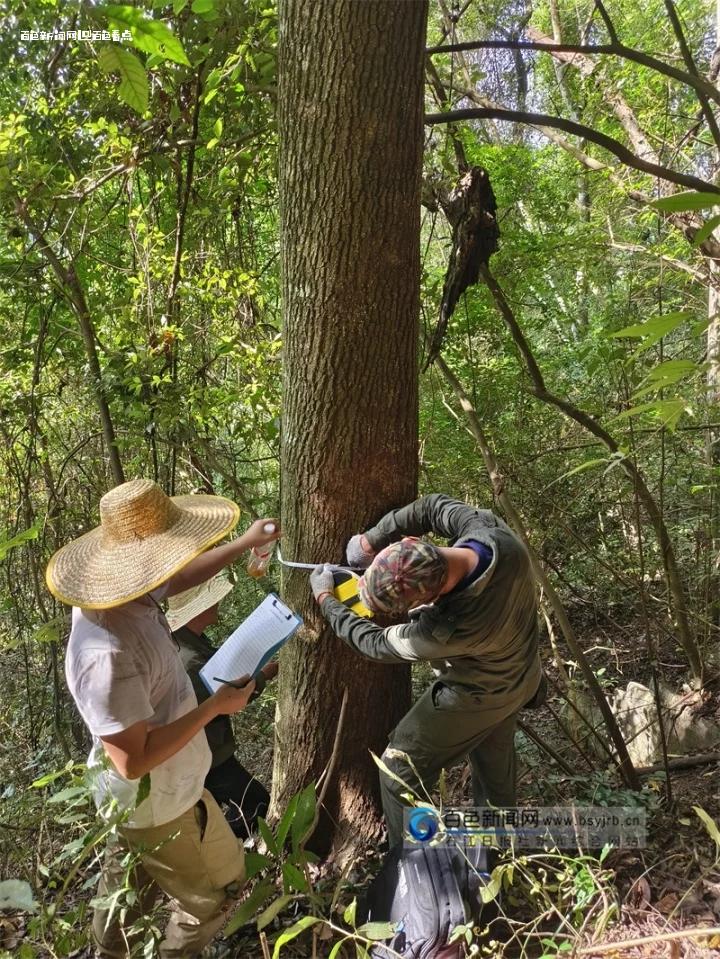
column 351, row 134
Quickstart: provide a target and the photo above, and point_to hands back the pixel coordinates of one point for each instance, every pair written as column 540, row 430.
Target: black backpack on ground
column 428, row 891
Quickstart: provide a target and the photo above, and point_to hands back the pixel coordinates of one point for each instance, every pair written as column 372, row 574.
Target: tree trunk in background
column 351, row 134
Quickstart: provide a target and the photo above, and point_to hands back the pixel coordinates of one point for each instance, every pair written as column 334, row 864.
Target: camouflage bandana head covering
column 402, row 575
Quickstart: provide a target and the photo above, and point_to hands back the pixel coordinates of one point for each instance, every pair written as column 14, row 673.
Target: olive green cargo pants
column 447, row 724
column 195, row 859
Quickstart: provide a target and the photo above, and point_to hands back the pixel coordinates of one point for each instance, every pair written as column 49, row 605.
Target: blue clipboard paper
column 253, row 643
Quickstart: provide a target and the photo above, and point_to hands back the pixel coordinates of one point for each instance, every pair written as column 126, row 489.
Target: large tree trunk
column 350, row 112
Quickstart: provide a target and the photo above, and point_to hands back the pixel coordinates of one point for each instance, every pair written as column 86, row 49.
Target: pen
column 229, row 682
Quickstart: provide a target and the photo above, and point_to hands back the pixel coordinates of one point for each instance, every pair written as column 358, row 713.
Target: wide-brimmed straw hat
column 144, row 537
column 185, row 606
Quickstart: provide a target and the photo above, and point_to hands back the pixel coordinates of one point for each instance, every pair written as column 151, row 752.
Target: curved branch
column 610, row 49
column 475, row 426
column 577, row 129
column 627, row 464
column 692, row 69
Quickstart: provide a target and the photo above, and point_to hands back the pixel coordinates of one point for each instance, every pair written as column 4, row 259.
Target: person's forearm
column 164, row 741
column 410, row 520
column 434, row 512
column 209, row 564
column 361, row 635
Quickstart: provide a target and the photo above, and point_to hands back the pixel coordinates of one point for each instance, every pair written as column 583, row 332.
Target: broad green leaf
column 349, row 914
column 709, row 823
column 666, row 374
column 284, row 825
column 274, row 909
column 18, row 540
column 668, row 412
column 655, row 328
column 705, row 230
column 292, row 932
column 247, row 909
column 51, row 631
column 692, row 200
column 294, row 877
column 376, row 931
column 672, row 370
column 179, row 6
column 255, row 862
column 71, row 792
column 267, row 836
column 202, row 6
column 336, row 948
column 51, row 777
column 150, row 36
column 304, row 815
column 491, row 890
column 133, row 87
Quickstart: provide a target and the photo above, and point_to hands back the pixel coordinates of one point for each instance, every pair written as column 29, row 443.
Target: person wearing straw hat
column 475, row 622
column 150, row 754
column 240, row 796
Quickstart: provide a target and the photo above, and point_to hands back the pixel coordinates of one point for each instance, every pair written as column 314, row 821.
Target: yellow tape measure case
column 346, row 590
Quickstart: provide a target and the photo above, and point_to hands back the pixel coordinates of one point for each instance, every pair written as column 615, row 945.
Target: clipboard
column 253, row 643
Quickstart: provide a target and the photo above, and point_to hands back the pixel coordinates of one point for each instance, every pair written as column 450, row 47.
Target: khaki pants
column 196, row 860
column 446, row 725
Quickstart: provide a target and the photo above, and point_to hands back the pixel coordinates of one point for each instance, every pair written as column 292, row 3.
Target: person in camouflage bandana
column 473, row 615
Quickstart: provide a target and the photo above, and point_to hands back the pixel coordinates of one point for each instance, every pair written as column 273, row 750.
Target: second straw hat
column 187, row 605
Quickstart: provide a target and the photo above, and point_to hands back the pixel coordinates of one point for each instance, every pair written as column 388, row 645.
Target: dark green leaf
column 681, row 202
column 705, row 230
column 304, row 815
column 294, row 878
column 247, row 909
column 267, row 836
column 274, row 909
column 18, row 540
column 655, row 328
column 284, row 825
column 255, row 862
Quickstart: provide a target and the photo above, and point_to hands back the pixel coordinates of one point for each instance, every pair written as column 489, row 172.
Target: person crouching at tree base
column 241, row 797
column 477, row 626
column 150, row 754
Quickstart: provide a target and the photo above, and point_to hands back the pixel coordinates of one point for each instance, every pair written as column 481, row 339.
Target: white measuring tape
column 285, row 562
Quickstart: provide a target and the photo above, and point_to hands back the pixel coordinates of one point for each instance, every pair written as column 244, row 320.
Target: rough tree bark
column 350, row 119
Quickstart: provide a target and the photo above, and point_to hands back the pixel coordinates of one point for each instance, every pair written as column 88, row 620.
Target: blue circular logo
column 423, row 824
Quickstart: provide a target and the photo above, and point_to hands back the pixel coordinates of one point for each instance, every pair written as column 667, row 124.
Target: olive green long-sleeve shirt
column 485, row 636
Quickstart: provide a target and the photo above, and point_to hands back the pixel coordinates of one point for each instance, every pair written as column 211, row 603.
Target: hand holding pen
column 233, row 696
